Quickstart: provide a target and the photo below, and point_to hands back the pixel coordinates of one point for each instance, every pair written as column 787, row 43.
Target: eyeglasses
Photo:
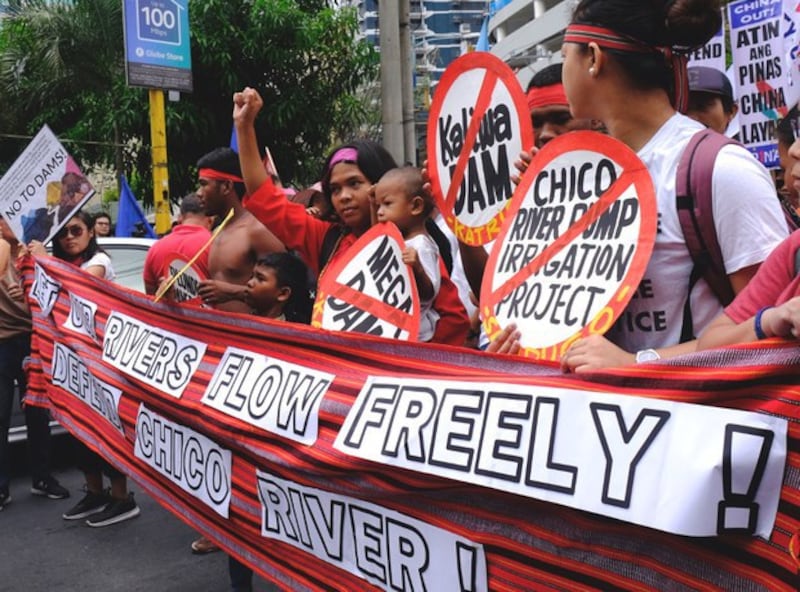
column 74, row 231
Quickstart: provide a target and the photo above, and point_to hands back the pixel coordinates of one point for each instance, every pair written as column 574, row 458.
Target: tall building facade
column 527, row 34
column 441, row 30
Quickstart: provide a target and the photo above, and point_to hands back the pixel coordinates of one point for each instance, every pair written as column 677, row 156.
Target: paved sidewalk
column 40, row 552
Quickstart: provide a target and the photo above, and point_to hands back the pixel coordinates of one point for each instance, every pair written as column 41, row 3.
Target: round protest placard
column 188, row 278
column 477, row 126
column 371, row 290
column 575, row 244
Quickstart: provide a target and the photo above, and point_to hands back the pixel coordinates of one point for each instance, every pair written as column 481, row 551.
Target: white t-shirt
column 749, row 224
column 103, row 261
column 428, row 254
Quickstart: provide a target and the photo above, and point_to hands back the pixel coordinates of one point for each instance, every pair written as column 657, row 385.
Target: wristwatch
column 647, row 355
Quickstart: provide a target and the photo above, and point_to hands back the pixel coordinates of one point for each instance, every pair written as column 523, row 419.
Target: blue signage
column 157, row 51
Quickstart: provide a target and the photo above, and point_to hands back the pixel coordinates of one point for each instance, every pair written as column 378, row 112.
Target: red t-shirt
column 775, row 282
column 175, row 249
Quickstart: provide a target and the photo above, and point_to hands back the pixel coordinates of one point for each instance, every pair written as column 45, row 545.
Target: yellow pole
column 158, row 138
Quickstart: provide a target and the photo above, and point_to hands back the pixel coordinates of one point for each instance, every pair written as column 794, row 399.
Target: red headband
column 612, row 40
column 545, row 96
column 216, row 175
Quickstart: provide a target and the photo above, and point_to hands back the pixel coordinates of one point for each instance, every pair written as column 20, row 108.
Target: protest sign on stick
column 574, row 246
column 371, row 290
column 712, row 54
column 42, row 190
column 791, row 49
column 477, row 126
column 758, row 63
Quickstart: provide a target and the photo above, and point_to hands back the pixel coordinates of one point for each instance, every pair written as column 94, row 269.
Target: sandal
column 203, row 546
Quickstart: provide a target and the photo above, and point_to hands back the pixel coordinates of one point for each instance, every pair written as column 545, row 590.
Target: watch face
column 648, row 355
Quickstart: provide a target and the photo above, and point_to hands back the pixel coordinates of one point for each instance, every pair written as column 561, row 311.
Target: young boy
column 278, row 288
column 400, row 198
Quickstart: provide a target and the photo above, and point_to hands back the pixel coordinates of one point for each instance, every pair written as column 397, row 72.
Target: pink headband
column 613, row 40
column 346, row 154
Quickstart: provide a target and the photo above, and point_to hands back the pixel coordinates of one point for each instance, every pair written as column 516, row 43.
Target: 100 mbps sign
column 158, row 21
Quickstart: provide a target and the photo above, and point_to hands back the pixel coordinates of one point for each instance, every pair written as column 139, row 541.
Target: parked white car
column 127, row 257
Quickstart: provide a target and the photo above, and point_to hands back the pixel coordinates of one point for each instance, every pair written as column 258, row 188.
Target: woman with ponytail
column 625, row 64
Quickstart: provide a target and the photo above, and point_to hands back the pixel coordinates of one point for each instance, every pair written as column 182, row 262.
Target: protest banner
column 477, row 126
column 339, row 461
column 712, row 54
column 759, row 74
column 371, row 290
column 42, row 189
column 575, row 243
column 790, row 25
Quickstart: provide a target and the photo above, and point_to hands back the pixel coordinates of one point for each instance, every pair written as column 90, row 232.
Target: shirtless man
column 241, row 243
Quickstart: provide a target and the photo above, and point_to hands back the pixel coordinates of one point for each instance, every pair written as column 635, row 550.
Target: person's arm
column 739, row 279
column 37, row 249
column 748, row 217
column 5, row 256
column 424, row 283
column 246, row 105
column 96, row 270
column 774, row 321
column 213, row 292
column 288, row 221
column 774, row 277
column 725, row 331
column 506, row 342
column 262, row 241
column 596, row 352
column 781, row 321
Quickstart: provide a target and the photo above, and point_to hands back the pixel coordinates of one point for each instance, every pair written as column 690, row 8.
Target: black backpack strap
column 439, row 237
column 329, row 243
column 797, row 263
column 693, row 195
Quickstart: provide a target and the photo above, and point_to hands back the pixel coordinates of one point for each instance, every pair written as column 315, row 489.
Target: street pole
column 391, row 79
column 407, row 82
column 158, row 139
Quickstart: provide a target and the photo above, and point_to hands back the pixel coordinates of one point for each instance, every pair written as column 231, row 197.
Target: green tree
column 62, row 63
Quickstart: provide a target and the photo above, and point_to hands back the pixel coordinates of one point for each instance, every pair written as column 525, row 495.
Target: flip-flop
column 203, row 546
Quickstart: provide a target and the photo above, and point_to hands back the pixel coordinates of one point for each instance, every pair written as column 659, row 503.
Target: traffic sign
column 157, row 51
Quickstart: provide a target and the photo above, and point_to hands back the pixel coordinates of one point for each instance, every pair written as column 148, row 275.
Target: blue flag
column 234, row 140
column 130, row 214
column 483, row 38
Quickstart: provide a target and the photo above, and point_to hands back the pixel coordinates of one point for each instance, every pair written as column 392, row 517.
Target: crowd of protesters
column 620, row 76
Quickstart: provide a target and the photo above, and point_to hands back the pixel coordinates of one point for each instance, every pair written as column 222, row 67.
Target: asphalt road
column 41, row 552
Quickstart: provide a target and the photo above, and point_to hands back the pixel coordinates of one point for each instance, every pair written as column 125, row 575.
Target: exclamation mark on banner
column 466, row 567
column 743, row 464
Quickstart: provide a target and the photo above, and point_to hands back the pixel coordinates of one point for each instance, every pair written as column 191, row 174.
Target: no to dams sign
column 477, row 126
column 370, row 290
column 574, row 246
